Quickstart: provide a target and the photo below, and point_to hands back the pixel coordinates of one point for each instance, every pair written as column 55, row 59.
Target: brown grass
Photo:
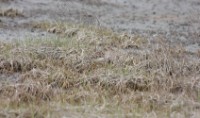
column 11, row 12
column 90, row 72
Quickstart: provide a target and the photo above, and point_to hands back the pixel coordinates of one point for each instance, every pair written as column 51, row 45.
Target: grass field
column 94, row 72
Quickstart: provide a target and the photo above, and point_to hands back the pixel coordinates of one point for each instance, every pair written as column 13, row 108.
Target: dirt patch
column 144, row 17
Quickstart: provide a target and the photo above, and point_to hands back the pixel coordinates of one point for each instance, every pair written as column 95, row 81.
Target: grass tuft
column 92, row 72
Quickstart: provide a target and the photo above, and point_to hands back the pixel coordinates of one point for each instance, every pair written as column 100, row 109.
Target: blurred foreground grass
column 94, row 72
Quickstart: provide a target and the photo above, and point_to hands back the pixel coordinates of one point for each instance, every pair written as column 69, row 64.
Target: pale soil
column 175, row 20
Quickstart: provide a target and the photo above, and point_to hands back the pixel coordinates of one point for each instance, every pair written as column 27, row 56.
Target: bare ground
column 177, row 21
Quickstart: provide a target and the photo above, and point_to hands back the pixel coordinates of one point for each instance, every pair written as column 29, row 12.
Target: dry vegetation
column 90, row 72
column 10, row 13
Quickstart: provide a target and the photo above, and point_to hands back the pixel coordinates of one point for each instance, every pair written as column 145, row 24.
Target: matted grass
column 91, row 72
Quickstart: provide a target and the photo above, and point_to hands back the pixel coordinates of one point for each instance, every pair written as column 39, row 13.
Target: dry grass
column 11, row 12
column 90, row 72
